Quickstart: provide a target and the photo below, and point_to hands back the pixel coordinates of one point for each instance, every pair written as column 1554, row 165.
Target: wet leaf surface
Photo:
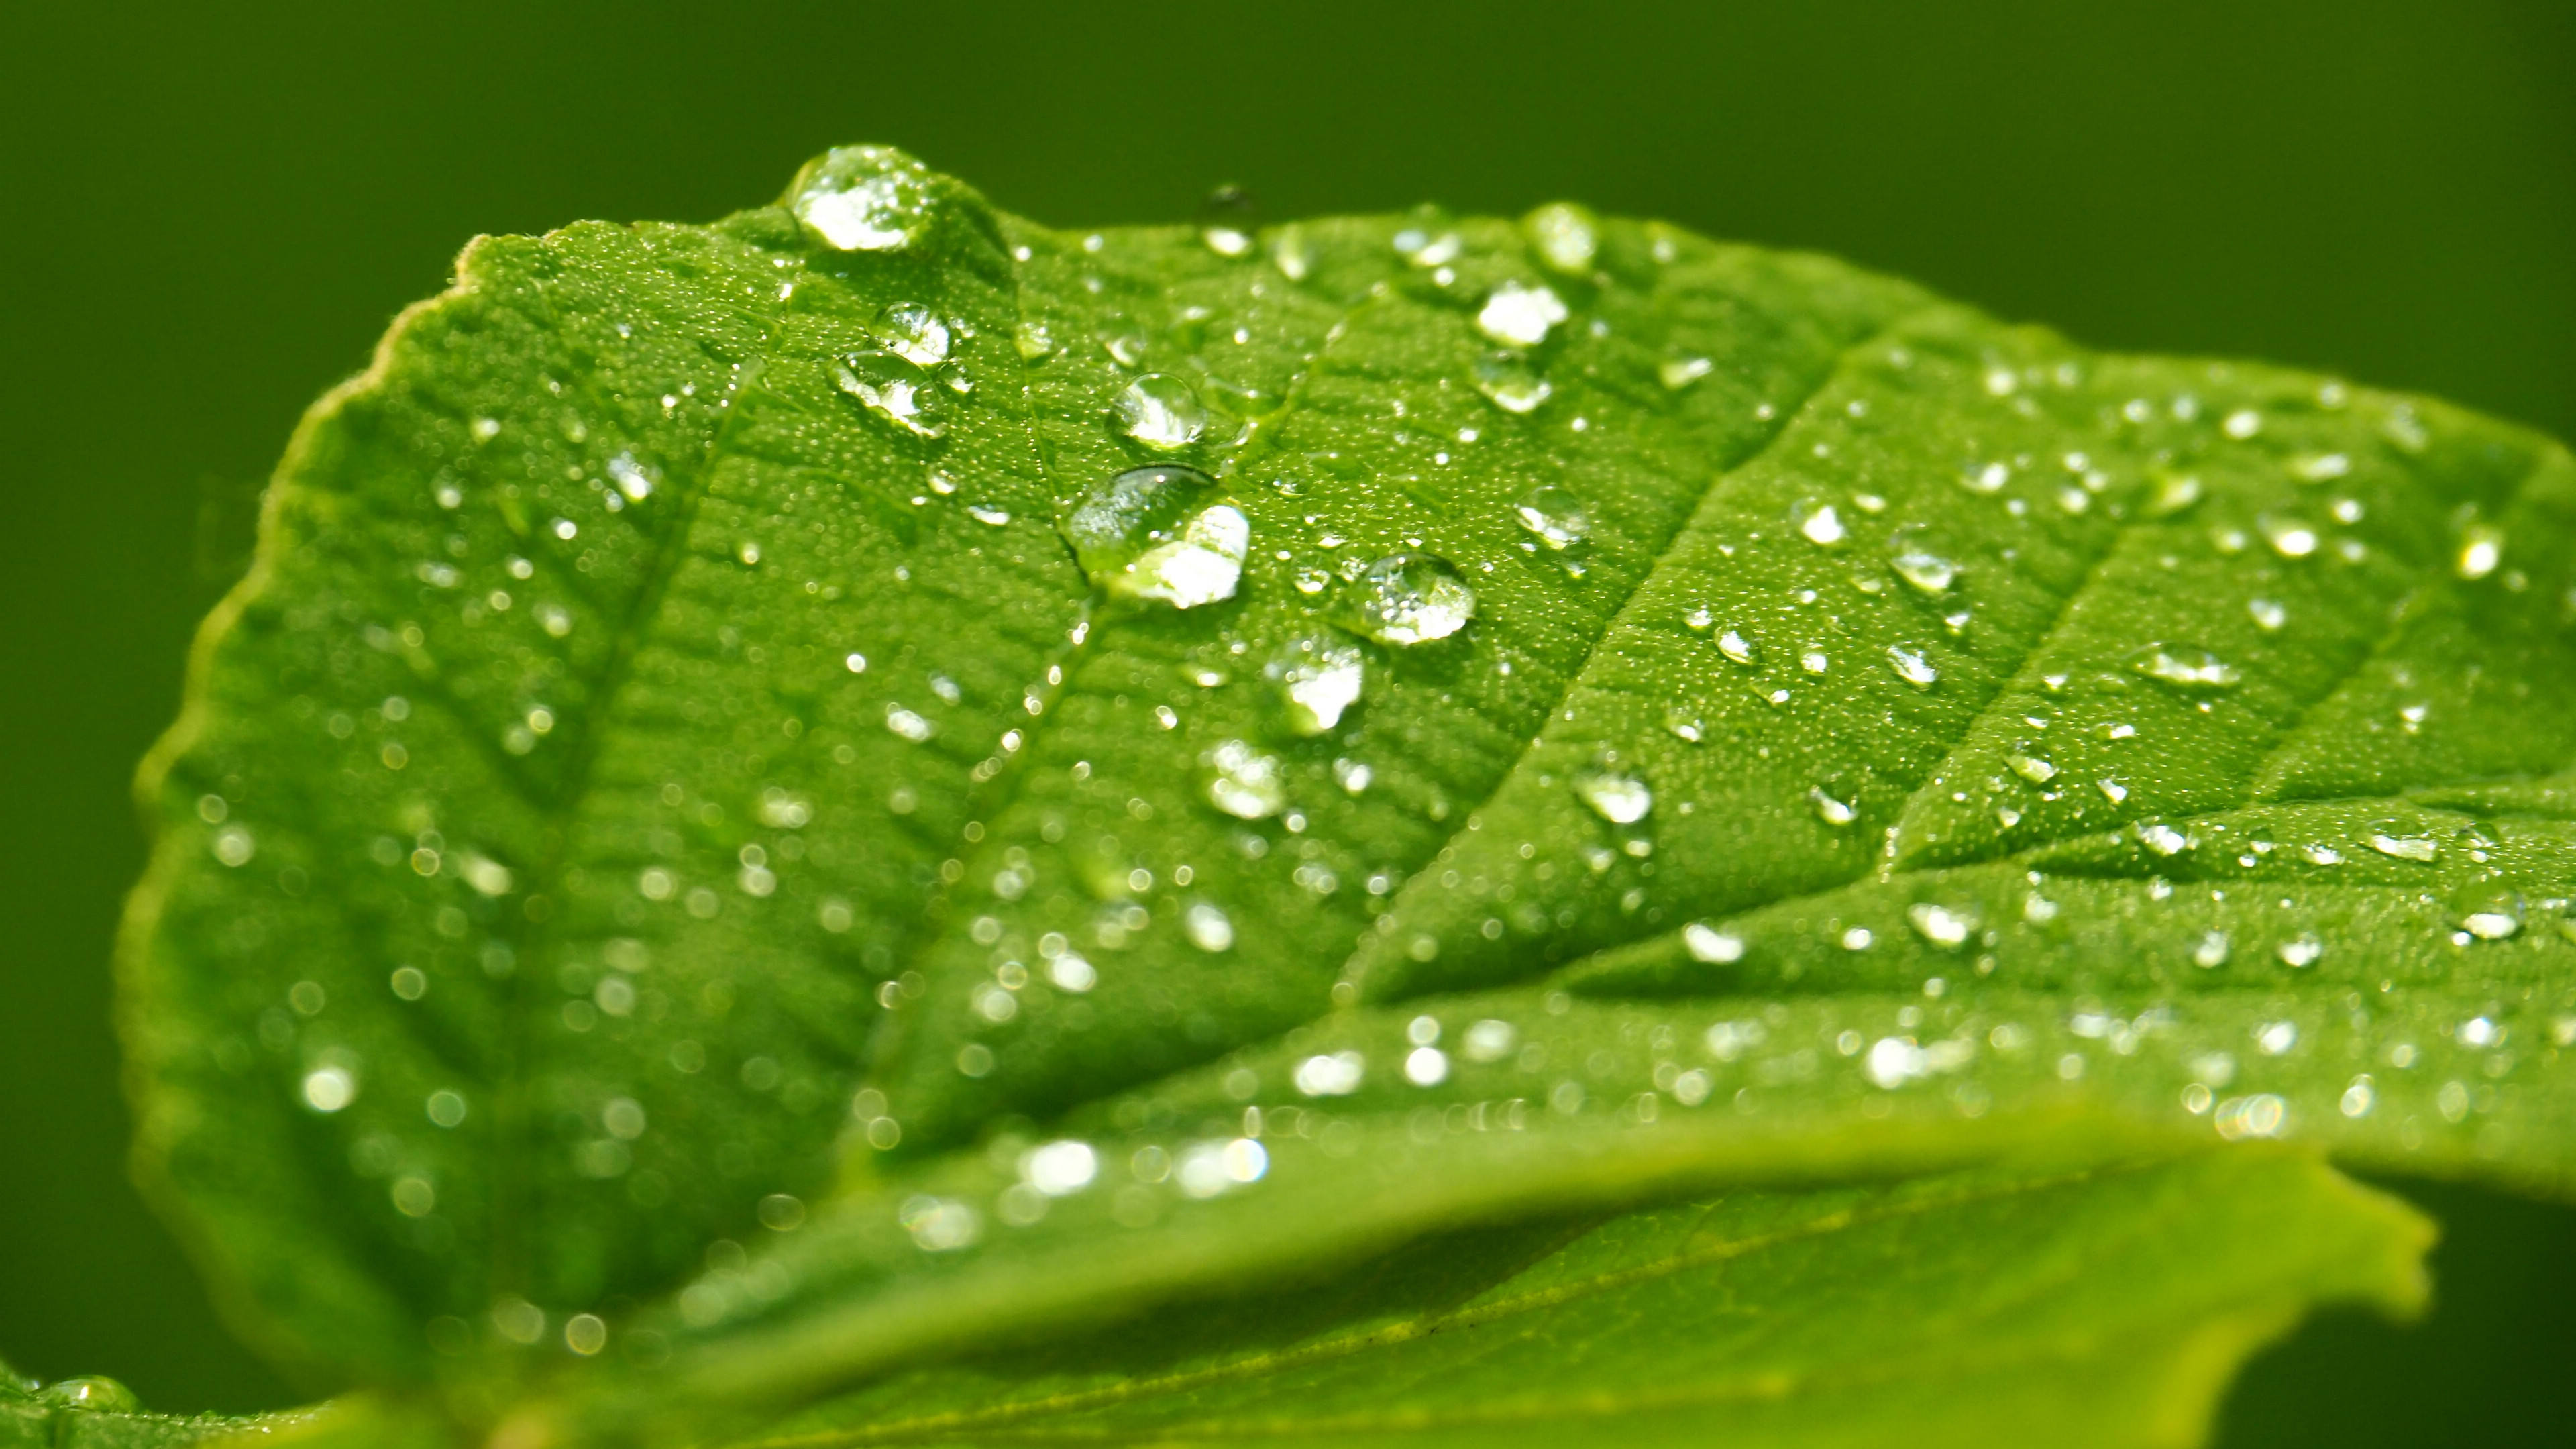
column 789, row 798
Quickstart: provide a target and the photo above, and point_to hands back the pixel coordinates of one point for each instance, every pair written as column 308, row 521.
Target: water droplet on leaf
column 1161, row 411
column 914, row 333
column 1564, row 235
column 1159, row 533
column 1519, row 315
column 1926, row 571
column 863, row 198
column 1410, row 599
column 1557, row 519
column 2195, row 670
column 1510, row 383
column 1618, row 798
column 1317, row 677
column 894, row 390
column 1244, row 782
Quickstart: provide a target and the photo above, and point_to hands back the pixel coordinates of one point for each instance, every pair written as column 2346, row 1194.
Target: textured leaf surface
column 668, row 784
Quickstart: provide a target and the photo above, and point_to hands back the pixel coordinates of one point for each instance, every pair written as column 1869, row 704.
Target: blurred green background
column 211, row 212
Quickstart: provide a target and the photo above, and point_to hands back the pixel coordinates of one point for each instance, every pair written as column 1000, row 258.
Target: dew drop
column 1738, row 649
column 2174, row 495
column 1558, row 520
column 940, row 1225
column 1564, row 235
column 1712, row 946
column 1516, row 314
column 329, row 1088
column 1407, row 599
column 1618, row 798
column 94, row 1392
column 1337, row 1074
column 2268, row 614
column 1072, row 973
column 1830, row 810
column 1161, row 411
column 2490, row 925
column 2162, row 839
column 1207, row 927
column 894, row 390
column 2481, row 549
column 1912, row 667
column 914, row 333
column 1510, row 383
column 1226, row 220
column 1159, row 533
column 1291, row 252
column 1244, row 782
column 1948, row 927
column 1926, row 571
column 634, row 482
column 2289, row 537
column 2195, row 670
column 863, row 198
column 1822, row 526
column 1318, row 678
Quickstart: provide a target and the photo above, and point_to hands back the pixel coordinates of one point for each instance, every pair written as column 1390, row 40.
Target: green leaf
column 1849, row 1316
column 721, row 743
column 100, row 1413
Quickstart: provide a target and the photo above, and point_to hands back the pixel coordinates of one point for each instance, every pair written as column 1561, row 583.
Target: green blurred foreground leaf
column 789, row 802
column 1857, row 1316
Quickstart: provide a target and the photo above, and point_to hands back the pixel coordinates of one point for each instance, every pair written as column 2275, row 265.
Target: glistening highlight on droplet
column 1161, row 533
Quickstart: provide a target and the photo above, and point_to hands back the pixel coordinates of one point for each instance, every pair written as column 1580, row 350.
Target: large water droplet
column 1244, row 782
column 2186, row 669
column 1929, row 572
column 1208, row 928
column 1318, row 677
column 863, row 199
column 91, row 1391
column 1618, row 798
column 1161, row 411
column 1738, row 649
column 2481, row 549
column 1564, row 235
column 1948, row 927
column 1912, row 667
column 1822, row 525
column 1511, row 383
column 1411, row 599
column 1226, row 221
column 894, row 390
column 1557, row 519
column 914, row 333
column 2289, row 537
column 1159, row 533
column 1518, row 315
